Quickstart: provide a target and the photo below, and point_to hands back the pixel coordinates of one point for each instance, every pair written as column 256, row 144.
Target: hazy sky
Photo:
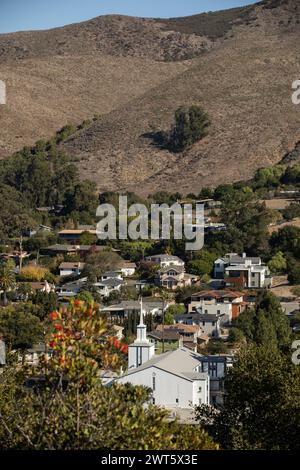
column 17, row 15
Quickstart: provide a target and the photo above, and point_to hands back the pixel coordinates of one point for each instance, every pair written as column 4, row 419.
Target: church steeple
column 142, row 350
column 141, row 336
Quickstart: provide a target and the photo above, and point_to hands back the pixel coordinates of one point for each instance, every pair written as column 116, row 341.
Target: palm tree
column 7, row 279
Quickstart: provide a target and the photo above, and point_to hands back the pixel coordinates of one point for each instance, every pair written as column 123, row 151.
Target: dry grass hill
column 238, row 64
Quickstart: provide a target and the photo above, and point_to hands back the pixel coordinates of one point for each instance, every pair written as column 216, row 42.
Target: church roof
column 181, row 362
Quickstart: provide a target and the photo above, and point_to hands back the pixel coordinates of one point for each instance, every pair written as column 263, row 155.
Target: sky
column 21, row 15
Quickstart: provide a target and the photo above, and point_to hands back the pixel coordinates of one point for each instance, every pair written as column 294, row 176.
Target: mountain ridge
column 242, row 78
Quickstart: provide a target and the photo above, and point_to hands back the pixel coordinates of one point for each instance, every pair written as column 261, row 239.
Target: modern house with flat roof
column 241, row 272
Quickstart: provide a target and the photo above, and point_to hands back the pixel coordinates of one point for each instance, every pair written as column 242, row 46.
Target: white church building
column 174, row 377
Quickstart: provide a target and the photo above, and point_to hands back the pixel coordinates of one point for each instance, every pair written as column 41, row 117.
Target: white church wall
column 170, row 390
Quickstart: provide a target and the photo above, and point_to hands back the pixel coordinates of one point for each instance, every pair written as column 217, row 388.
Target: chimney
column 244, row 255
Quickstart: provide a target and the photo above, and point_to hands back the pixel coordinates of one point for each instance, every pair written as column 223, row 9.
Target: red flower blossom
column 53, row 316
column 77, row 302
column 58, row 327
column 124, row 349
column 90, row 312
column 117, row 343
column 52, row 344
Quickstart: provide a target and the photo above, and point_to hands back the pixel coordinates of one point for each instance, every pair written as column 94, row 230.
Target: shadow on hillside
column 159, row 140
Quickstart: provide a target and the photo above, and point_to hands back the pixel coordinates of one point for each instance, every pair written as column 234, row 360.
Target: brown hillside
column 239, row 65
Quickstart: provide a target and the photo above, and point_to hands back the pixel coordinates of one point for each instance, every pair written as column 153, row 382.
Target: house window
column 200, row 401
column 203, row 323
column 213, row 323
column 177, row 401
column 153, row 383
column 218, row 312
column 153, row 401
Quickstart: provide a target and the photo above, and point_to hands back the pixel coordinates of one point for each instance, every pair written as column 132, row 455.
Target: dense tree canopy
column 191, row 125
column 261, row 410
column 266, row 323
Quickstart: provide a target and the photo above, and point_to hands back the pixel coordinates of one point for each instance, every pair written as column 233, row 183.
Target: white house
column 71, row 269
column 233, row 259
column 111, row 275
column 108, row 285
column 124, row 308
column 174, row 377
column 128, row 269
column 165, row 261
column 242, row 271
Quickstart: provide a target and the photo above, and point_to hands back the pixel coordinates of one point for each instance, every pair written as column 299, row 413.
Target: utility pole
column 21, row 254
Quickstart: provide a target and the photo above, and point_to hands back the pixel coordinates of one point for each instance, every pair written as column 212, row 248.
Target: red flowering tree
column 81, row 344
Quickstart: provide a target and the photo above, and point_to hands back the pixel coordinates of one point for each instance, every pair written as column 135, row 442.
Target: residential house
column 82, row 250
column 242, row 272
column 42, row 286
column 108, row 377
column 165, row 260
column 33, row 355
column 209, row 203
column 106, row 286
column 128, row 269
column 111, row 275
column 71, row 289
column 167, row 340
column 124, row 308
column 72, row 236
column 173, row 277
column 218, row 302
column 207, row 227
column 216, row 367
column 213, row 227
column 210, row 324
column 172, row 336
column 71, row 269
column 31, row 232
column 173, row 377
column 138, row 284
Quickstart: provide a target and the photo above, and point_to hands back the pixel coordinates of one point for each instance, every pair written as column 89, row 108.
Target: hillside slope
column 239, row 65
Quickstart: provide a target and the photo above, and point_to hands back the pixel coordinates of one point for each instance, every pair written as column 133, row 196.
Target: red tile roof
column 218, row 294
